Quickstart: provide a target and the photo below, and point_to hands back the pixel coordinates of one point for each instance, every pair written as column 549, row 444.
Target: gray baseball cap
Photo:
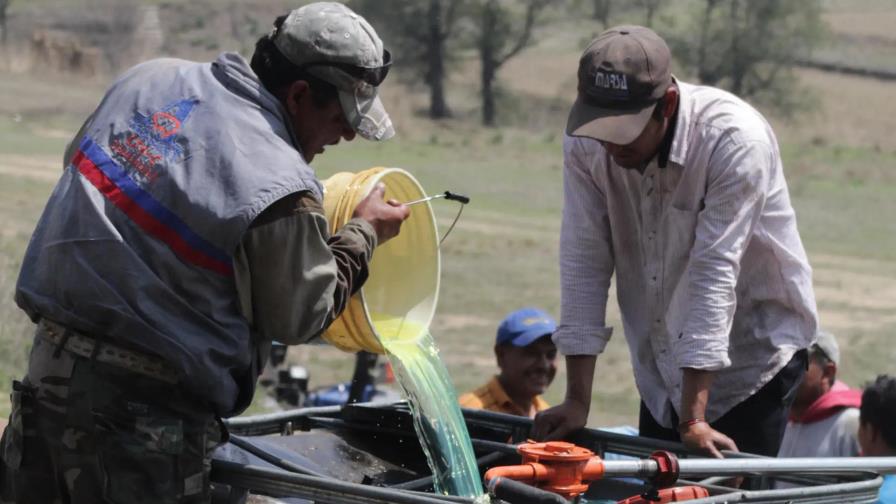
column 827, row 343
column 338, row 46
column 622, row 75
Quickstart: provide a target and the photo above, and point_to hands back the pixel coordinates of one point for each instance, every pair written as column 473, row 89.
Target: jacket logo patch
column 153, row 139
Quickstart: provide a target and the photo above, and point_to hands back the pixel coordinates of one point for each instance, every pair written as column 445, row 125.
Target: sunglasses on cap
column 373, row 76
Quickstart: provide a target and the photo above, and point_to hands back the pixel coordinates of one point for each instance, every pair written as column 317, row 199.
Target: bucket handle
column 448, row 195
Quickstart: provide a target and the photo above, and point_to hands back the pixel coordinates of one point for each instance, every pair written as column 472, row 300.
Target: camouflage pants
column 83, row 432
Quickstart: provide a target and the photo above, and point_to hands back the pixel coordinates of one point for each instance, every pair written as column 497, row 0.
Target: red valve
column 675, row 494
column 666, row 476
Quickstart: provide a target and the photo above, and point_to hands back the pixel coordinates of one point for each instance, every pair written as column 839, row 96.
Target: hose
column 515, row 492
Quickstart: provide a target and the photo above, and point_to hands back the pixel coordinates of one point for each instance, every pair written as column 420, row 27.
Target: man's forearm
column 579, row 378
column 695, row 431
column 695, row 385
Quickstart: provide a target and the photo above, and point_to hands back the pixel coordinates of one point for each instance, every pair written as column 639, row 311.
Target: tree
column 420, row 32
column 498, row 39
column 601, row 11
column 751, row 46
column 4, row 4
column 650, row 8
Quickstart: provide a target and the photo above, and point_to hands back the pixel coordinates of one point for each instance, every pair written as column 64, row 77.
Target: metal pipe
column 770, row 466
column 427, row 481
column 277, row 461
column 637, row 468
column 806, row 465
column 272, row 423
column 855, row 491
column 276, row 483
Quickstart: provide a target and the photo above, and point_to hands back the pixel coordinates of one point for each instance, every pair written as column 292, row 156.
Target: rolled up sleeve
column 735, row 197
column 294, row 279
column 586, row 258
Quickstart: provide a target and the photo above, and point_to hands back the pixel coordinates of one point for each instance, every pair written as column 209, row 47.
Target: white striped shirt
column 710, row 270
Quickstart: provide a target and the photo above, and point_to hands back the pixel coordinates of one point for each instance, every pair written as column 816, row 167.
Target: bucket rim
column 382, row 171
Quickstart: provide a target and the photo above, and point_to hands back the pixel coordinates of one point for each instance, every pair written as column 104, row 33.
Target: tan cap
column 336, row 45
column 827, row 343
column 622, row 74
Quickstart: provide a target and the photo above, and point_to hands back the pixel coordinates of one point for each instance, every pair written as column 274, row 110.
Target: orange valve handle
column 531, row 472
column 555, row 466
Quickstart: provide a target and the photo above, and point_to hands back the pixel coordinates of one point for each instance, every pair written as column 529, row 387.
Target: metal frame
column 824, row 480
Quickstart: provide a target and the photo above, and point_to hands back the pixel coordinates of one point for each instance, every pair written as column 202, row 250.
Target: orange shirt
column 492, row 397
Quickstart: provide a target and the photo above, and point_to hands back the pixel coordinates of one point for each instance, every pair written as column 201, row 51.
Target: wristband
column 688, row 423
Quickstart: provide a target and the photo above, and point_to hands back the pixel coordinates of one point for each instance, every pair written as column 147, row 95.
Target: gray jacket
column 137, row 240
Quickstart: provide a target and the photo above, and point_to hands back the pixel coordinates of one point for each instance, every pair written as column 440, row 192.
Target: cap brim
column 620, row 127
column 529, row 337
column 366, row 115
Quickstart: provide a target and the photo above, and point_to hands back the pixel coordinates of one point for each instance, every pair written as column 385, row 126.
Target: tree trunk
column 738, row 68
column 602, row 12
column 706, row 75
column 651, row 6
column 488, row 95
column 3, row 31
column 488, row 58
column 438, row 108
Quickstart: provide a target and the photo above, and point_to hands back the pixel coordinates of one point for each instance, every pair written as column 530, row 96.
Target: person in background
column 877, row 428
column 185, row 235
column 824, row 417
column 526, row 358
column 676, row 193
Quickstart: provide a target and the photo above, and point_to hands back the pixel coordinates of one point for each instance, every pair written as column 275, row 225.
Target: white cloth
column 710, row 270
column 834, row 436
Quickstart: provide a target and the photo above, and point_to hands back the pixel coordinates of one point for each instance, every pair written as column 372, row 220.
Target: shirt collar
column 678, row 147
column 499, row 394
column 501, row 398
column 662, row 156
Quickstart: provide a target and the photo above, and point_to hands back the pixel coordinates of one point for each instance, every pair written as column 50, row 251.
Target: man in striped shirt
column 679, row 191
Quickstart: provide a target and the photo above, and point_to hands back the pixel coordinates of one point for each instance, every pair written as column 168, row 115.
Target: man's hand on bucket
column 385, row 216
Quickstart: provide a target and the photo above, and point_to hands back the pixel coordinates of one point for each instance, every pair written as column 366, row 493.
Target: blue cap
column 522, row 327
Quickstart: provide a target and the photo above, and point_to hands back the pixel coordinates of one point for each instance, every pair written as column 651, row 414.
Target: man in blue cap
column 527, row 360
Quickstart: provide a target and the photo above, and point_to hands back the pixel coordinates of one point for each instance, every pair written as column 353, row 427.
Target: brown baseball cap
column 622, row 74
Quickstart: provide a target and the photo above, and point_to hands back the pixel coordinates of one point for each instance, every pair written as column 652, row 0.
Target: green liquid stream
column 437, row 418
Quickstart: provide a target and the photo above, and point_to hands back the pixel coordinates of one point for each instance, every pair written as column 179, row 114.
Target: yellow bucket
column 399, row 298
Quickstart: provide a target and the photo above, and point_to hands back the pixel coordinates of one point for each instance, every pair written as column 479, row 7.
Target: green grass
column 503, row 253
column 21, row 200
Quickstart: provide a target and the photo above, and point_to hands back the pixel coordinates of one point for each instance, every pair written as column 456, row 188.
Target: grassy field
column 839, row 158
